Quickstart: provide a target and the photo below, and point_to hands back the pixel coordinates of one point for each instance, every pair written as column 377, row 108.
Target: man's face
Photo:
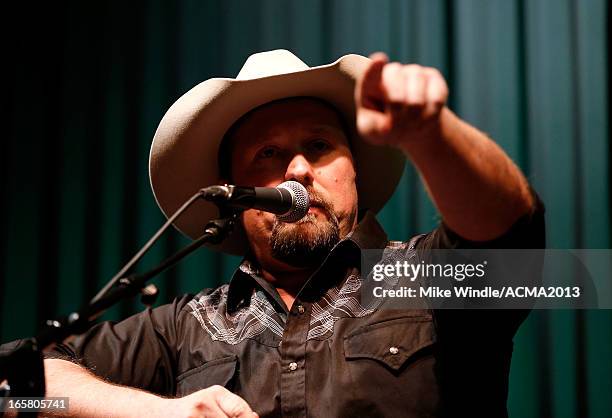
column 298, row 139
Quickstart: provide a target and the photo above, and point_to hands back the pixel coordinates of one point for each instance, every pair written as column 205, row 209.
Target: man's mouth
column 317, row 207
column 316, row 211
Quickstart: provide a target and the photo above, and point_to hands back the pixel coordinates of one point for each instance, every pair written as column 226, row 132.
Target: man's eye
column 319, row 145
column 267, row 152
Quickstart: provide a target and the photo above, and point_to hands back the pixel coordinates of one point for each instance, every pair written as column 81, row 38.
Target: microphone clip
column 217, row 193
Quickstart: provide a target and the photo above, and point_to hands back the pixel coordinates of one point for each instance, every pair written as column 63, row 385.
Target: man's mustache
column 316, row 199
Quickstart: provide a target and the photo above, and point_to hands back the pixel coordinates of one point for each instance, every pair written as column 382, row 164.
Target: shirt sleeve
column 139, row 351
column 527, row 232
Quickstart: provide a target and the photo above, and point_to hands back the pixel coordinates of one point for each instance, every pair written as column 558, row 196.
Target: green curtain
column 89, row 81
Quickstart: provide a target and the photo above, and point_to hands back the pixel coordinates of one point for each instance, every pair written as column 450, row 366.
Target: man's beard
column 308, row 241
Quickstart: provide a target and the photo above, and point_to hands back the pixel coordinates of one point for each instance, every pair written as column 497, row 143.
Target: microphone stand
column 23, row 367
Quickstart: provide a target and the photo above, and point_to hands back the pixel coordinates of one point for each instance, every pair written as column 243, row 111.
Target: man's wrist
column 157, row 407
column 427, row 140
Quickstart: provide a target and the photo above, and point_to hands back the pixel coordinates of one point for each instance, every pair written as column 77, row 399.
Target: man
column 289, row 335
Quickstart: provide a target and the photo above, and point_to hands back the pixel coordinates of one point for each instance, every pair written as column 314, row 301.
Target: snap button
column 300, row 309
column 292, row 366
column 393, row 350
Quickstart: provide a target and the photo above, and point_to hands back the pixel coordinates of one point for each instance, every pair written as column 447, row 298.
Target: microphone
column 289, row 200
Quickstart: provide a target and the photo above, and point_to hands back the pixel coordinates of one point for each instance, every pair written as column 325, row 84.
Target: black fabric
column 474, row 347
column 327, row 355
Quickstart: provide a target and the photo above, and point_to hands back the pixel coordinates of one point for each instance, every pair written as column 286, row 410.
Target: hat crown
column 270, row 63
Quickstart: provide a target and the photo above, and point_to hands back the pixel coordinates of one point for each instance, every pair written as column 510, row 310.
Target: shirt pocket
column 221, row 372
column 391, row 367
column 391, row 343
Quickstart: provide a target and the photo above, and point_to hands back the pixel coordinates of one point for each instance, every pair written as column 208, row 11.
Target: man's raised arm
column 475, row 186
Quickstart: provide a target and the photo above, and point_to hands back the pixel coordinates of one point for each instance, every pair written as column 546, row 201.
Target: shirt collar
column 368, row 234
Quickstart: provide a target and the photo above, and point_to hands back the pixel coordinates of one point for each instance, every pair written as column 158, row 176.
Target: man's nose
column 299, row 169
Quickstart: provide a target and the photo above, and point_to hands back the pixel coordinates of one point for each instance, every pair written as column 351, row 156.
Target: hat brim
column 183, row 157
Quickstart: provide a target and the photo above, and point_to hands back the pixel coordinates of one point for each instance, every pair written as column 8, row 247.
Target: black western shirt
column 329, row 355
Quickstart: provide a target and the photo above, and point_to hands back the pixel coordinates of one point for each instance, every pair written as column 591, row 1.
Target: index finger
column 369, row 92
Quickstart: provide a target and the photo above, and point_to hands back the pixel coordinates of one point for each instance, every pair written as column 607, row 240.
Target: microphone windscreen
column 300, row 201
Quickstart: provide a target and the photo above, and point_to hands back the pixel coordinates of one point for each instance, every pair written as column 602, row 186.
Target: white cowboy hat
column 185, row 147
